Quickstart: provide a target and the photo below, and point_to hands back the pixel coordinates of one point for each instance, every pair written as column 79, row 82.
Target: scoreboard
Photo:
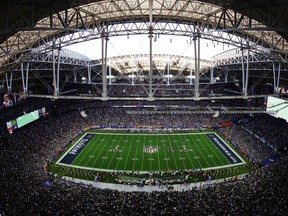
column 25, row 119
column 277, row 107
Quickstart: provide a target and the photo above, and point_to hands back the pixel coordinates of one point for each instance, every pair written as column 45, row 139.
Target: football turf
column 150, row 152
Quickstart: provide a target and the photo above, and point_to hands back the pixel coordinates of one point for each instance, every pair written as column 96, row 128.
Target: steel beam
column 104, row 65
column 150, row 47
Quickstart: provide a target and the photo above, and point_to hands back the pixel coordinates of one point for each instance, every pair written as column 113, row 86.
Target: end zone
column 225, row 149
column 73, row 152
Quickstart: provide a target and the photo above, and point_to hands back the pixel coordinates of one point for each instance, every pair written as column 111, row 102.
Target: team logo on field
column 116, row 149
column 150, row 149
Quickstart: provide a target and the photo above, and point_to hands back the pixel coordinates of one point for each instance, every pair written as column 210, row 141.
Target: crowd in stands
column 24, row 192
column 122, row 89
column 259, row 141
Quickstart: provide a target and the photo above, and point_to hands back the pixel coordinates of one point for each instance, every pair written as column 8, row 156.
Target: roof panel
column 26, row 23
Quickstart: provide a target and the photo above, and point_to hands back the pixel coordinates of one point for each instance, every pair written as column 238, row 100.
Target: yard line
column 172, row 153
column 143, row 154
column 112, row 158
column 97, row 148
column 191, row 144
column 84, row 156
column 101, row 137
column 205, row 149
column 214, row 147
column 128, row 155
column 136, row 152
column 164, row 145
column 187, row 153
column 150, row 154
column 196, row 145
column 158, row 152
column 180, row 152
column 92, row 143
column 122, row 145
column 109, row 137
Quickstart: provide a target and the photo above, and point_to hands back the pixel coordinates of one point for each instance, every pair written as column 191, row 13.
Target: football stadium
column 151, row 154
column 144, row 107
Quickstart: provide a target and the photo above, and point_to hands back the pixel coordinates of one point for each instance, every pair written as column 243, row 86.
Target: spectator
column 24, row 192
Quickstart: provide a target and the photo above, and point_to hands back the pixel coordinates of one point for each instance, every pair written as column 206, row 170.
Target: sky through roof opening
column 139, row 44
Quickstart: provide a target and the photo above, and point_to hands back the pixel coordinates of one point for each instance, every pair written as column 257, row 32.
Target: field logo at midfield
column 150, row 149
column 116, row 149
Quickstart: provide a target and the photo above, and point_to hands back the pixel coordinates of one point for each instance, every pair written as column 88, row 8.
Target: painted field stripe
column 205, row 149
column 112, row 158
column 116, row 136
column 83, row 155
column 200, row 151
column 226, row 151
column 75, row 151
column 172, row 153
column 158, row 153
column 216, row 153
column 187, row 153
column 231, row 149
column 100, row 153
column 143, row 157
column 192, row 145
column 177, row 137
column 91, row 145
column 145, row 171
column 127, row 158
column 165, row 152
column 135, row 155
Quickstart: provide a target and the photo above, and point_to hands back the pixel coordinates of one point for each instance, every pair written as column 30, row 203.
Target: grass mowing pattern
column 150, row 152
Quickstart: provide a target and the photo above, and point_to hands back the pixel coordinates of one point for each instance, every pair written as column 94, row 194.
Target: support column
column 168, row 73
column 54, row 72
column 75, row 75
column 25, row 78
column 89, row 73
column 104, row 65
column 150, row 94
column 279, row 71
column 58, row 73
column 212, row 75
column 133, row 78
column 247, row 73
column 9, row 81
column 243, row 72
column 226, row 76
column 110, row 75
column 197, row 66
column 276, row 77
column 191, row 74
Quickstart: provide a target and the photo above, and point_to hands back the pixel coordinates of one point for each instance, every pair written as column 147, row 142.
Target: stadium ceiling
column 29, row 27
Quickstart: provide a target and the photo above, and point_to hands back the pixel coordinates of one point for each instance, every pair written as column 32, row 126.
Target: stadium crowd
column 140, row 89
column 27, row 190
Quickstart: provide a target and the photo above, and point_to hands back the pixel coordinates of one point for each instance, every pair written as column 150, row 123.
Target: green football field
column 150, row 152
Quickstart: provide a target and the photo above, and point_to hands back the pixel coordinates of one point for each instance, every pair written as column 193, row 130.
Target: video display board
column 277, row 107
column 25, row 119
